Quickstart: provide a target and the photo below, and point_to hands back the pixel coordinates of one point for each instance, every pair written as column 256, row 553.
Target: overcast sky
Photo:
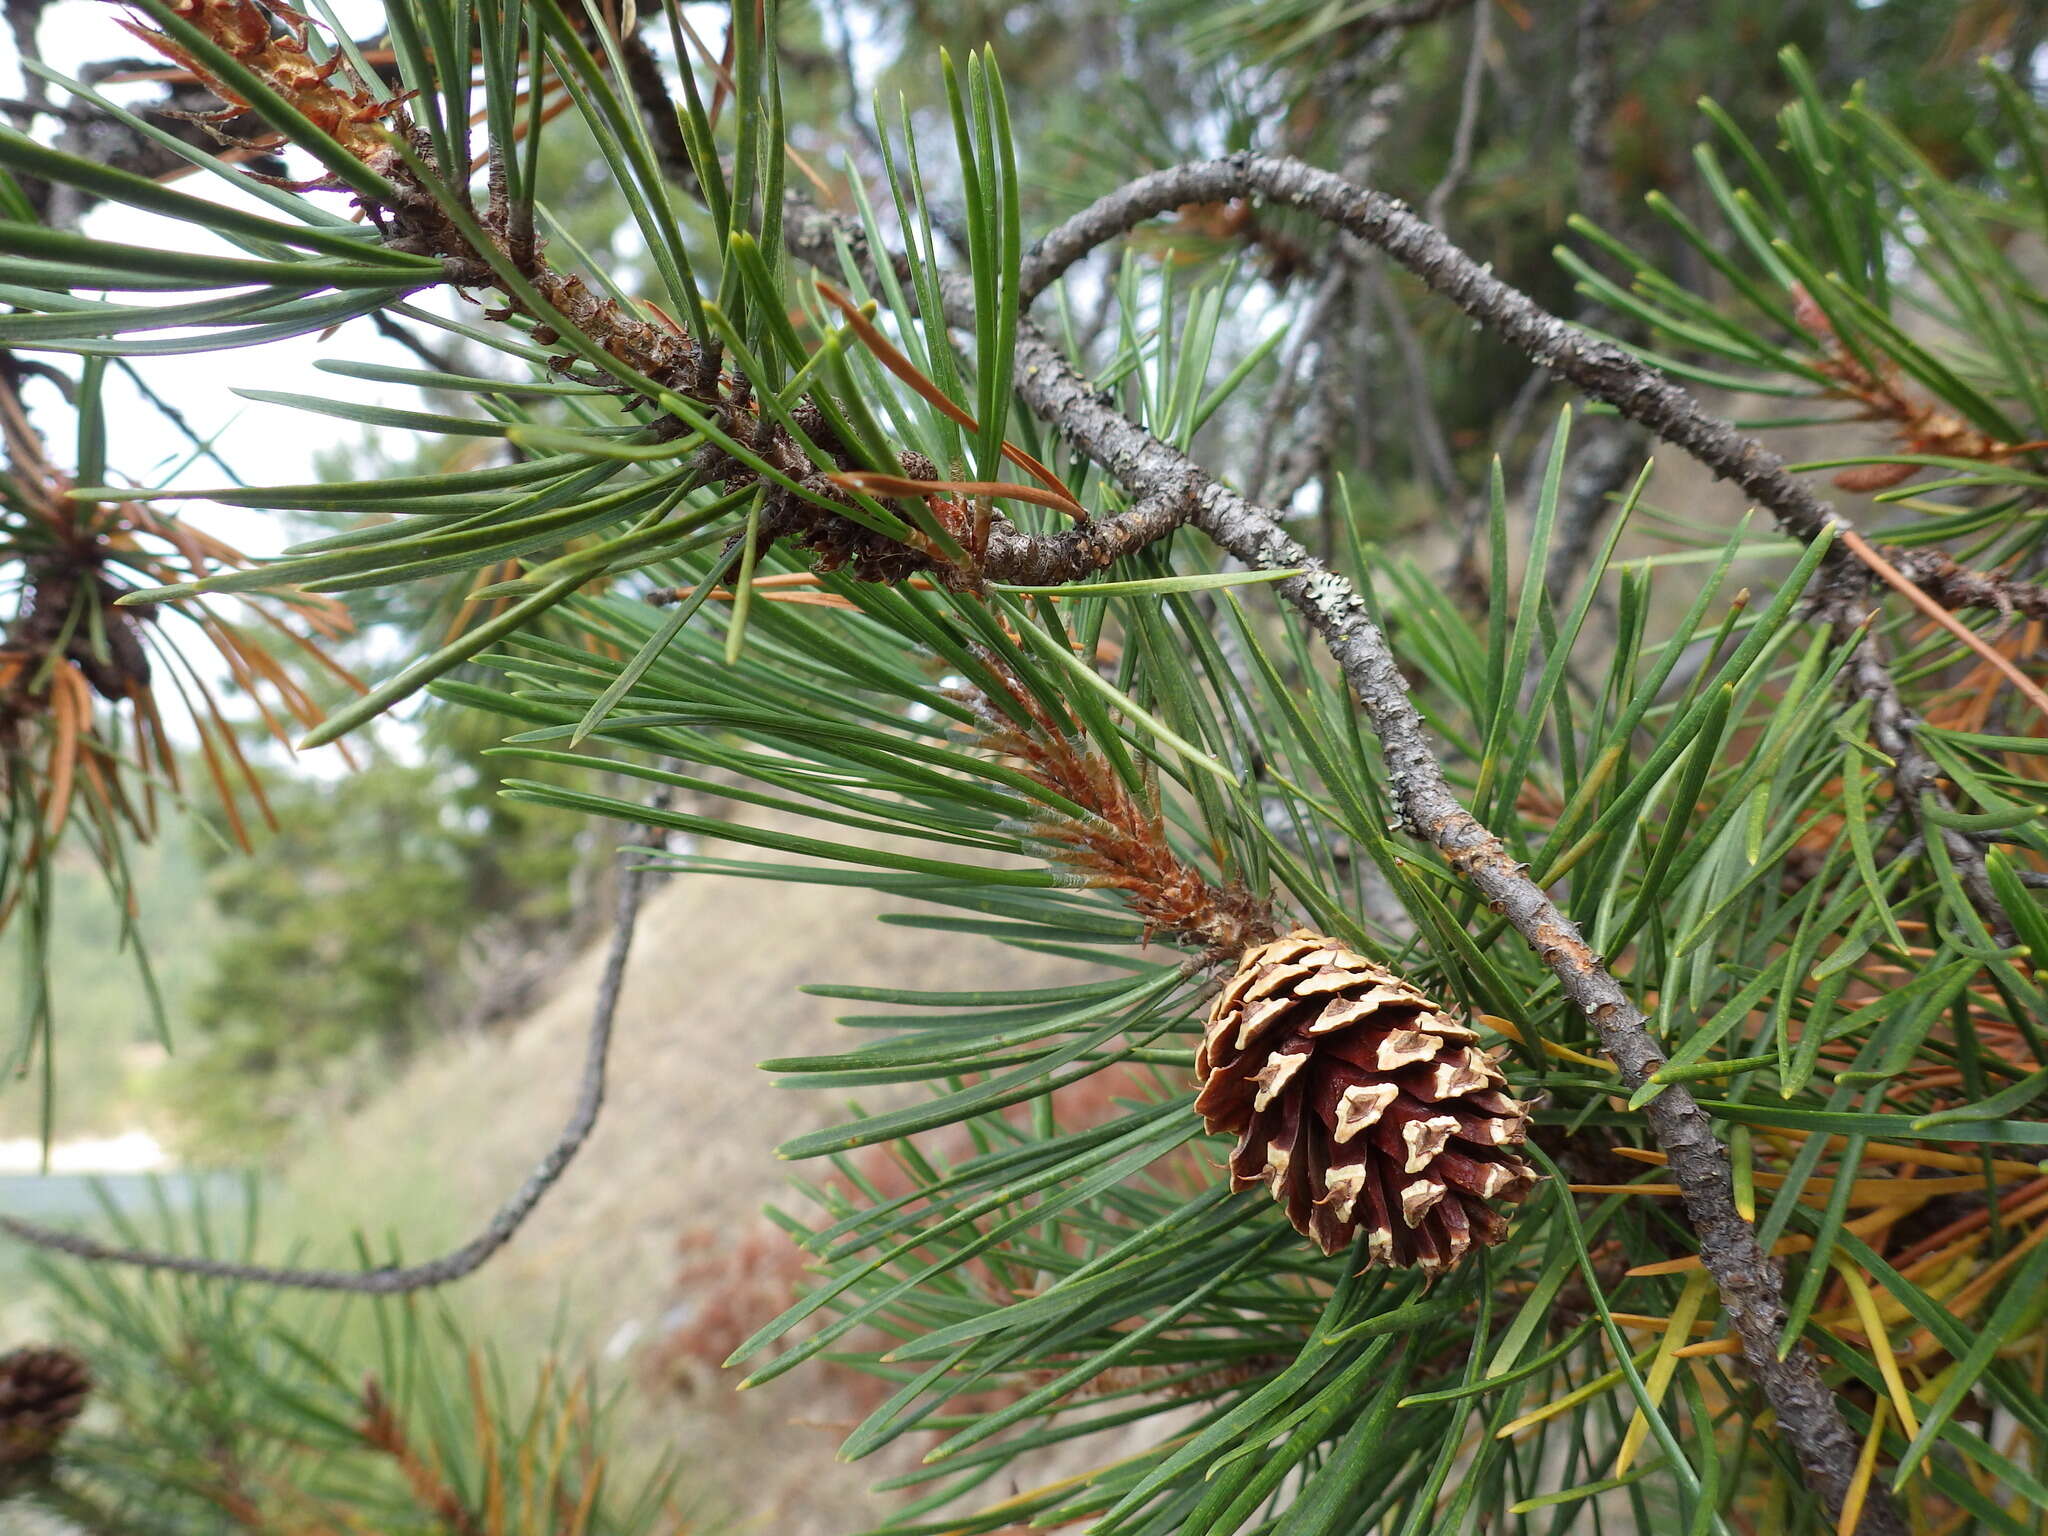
column 262, row 446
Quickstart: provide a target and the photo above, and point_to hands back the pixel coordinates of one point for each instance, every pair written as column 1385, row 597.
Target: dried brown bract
column 1121, row 843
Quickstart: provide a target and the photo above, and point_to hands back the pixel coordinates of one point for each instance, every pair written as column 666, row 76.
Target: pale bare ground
column 685, row 1146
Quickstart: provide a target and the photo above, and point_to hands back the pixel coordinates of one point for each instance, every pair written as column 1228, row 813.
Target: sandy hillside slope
column 684, row 1147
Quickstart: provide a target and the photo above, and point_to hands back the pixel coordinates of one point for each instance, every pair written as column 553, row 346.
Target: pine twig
column 1392, row 18
column 1748, row 1281
column 1339, row 303
column 1279, row 482
column 1954, row 586
column 1467, row 131
column 1072, row 553
column 509, row 1217
column 433, row 357
column 383, row 1433
column 1593, row 92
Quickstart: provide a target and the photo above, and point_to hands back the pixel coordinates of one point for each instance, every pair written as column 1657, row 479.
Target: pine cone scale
column 1359, row 1105
column 1486, row 1180
column 1415, row 1143
column 1452, row 1078
column 1354, row 1107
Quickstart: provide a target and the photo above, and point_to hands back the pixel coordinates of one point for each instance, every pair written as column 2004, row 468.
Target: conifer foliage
column 1621, row 973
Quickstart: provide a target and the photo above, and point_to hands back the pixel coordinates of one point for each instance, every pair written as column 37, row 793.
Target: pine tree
column 1072, row 599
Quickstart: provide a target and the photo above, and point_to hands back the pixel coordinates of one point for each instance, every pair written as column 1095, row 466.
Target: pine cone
column 1359, row 1104
column 41, row 1392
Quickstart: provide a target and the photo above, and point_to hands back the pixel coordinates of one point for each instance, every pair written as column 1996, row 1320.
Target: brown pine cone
column 41, row 1392
column 1359, row 1104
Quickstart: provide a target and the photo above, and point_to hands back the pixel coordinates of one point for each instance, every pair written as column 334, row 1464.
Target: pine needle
column 1658, row 1381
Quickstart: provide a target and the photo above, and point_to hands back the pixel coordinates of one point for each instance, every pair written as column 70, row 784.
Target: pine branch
column 1844, row 587
column 1899, row 582
column 1601, row 459
column 1749, row 1283
column 1919, row 424
column 435, row 359
column 1599, row 369
column 1600, row 467
column 503, row 1225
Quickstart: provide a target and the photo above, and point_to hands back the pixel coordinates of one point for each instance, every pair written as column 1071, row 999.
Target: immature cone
column 1360, row 1105
column 41, row 1392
